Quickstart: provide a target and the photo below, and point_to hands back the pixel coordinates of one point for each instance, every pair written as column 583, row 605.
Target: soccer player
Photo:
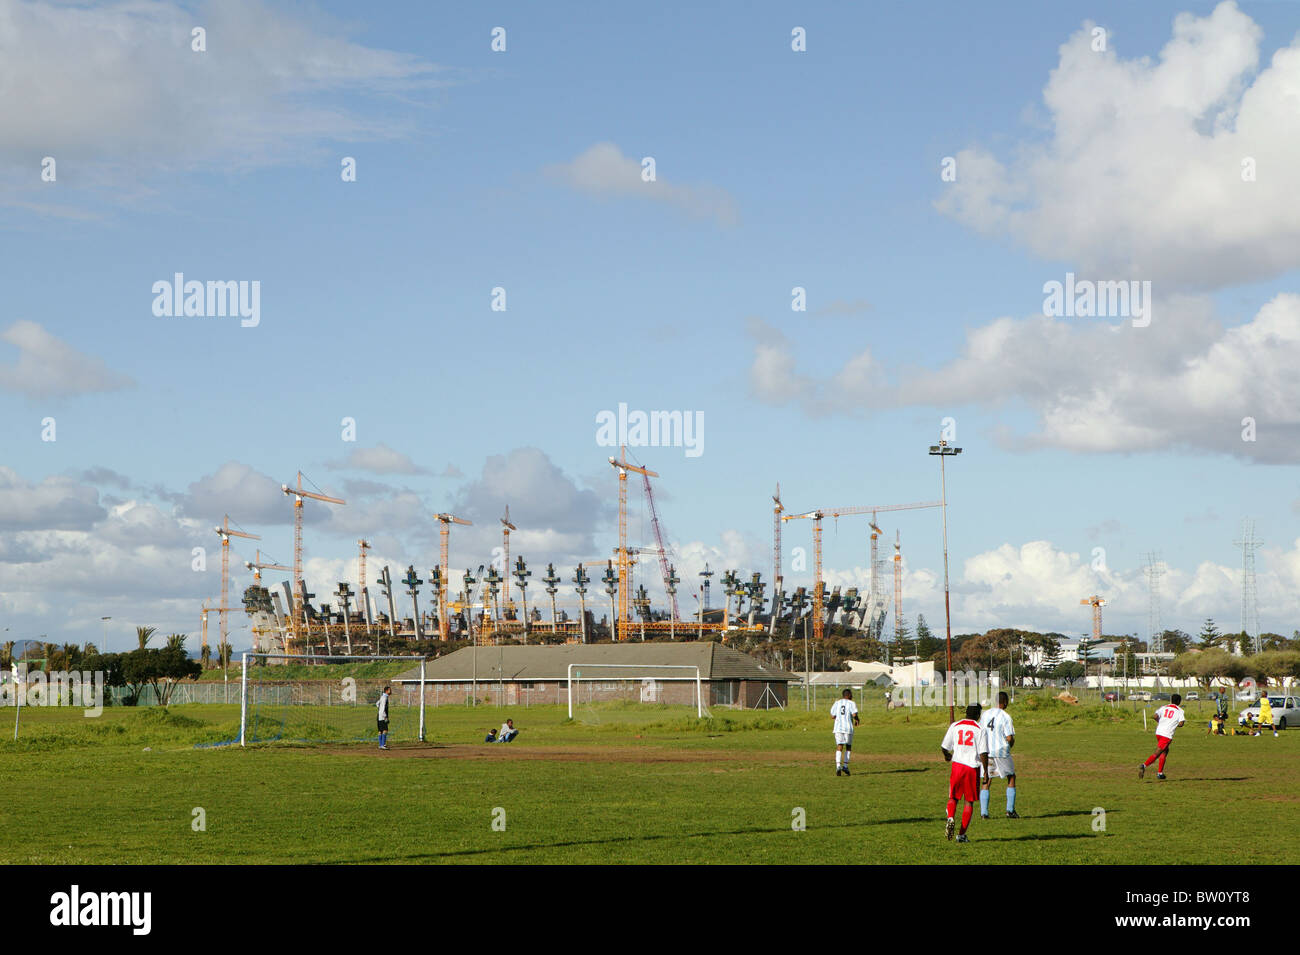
column 1265, row 715
column 1171, row 717
column 966, row 746
column 844, row 713
column 1001, row 737
column 382, row 706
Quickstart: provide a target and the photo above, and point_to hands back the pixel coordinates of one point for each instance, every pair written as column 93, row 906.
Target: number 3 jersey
column 966, row 739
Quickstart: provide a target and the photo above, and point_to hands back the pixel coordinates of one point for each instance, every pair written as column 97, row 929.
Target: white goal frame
column 699, row 686
column 302, row 657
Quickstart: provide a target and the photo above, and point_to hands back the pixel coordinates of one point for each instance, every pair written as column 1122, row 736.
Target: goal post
column 576, row 671
column 325, row 698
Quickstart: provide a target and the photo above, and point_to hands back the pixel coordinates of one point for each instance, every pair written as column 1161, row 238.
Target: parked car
column 1245, row 696
column 1110, row 696
column 1286, row 711
column 1192, row 696
column 1141, row 696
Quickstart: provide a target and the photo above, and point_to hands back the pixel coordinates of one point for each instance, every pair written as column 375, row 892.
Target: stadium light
column 941, row 451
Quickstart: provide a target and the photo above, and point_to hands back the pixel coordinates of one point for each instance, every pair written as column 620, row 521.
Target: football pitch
column 635, row 783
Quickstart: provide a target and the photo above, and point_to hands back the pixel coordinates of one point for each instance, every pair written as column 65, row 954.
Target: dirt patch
column 601, row 754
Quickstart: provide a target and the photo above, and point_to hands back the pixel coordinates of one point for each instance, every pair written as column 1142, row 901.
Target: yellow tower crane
column 225, row 531
column 445, row 520
column 299, row 493
column 622, row 466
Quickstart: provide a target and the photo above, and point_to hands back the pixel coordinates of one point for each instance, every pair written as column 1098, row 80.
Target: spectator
column 491, row 736
column 508, row 732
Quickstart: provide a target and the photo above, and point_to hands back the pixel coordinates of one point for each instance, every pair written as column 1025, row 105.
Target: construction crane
column 898, row 588
column 1096, row 603
column 837, row 512
column 506, row 528
column 259, row 565
column 225, row 532
column 622, row 466
column 446, row 520
column 299, row 494
column 664, row 568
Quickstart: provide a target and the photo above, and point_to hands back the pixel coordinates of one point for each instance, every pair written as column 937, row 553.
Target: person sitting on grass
column 491, row 736
column 508, row 732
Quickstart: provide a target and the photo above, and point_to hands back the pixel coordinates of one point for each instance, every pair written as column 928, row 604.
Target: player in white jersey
column 1171, row 717
column 1001, row 737
column 845, row 714
column 966, row 746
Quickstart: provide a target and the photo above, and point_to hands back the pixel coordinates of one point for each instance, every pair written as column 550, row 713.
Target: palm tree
column 176, row 641
column 144, row 635
column 205, row 656
column 89, row 650
column 7, row 654
column 71, row 655
column 51, row 651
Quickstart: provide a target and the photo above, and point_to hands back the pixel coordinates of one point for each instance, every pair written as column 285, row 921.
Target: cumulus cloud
column 114, row 89
column 1182, row 383
column 48, row 367
column 604, row 171
column 381, row 459
column 1141, row 174
column 247, row 495
column 56, row 503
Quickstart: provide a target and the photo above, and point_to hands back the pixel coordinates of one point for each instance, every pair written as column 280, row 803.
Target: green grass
column 632, row 784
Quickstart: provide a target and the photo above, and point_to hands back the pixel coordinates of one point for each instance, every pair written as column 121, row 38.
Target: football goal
column 327, row 699
column 592, row 684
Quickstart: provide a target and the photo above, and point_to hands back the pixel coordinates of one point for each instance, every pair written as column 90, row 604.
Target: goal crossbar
column 699, row 686
column 307, row 657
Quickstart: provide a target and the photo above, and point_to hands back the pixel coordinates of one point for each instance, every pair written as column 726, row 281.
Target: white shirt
column 382, row 706
column 1170, row 716
column 998, row 726
column 844, row 711
column 966, row 739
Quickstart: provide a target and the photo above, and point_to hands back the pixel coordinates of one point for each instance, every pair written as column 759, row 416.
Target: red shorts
column 1162, row 742
column 964, row 783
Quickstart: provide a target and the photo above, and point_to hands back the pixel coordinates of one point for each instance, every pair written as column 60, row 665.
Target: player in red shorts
column 1171, row 717
column 966, row 746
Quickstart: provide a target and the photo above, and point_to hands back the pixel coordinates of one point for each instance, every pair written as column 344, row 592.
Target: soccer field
column 634, row 784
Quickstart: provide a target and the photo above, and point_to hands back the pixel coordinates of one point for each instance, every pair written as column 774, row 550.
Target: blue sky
column 775, row 169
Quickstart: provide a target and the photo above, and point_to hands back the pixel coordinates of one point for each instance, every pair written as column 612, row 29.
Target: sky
column 825, row 234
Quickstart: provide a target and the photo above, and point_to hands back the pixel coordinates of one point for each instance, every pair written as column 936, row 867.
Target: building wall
column 520, row 693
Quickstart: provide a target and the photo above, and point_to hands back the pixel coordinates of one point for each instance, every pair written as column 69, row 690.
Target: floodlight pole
column 941, row 450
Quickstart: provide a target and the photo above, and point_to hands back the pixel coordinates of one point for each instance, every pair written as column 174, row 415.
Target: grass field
column 632, row 784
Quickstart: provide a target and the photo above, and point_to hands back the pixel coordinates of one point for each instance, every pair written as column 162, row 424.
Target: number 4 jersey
column 966, row 739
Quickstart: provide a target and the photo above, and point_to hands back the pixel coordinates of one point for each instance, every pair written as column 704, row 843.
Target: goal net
column 599, row 692
column 329, row 699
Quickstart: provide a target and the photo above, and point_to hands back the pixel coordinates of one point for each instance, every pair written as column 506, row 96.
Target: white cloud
column 1141, row 175
column 48, row 367
column 381, row 459
column 56, row 503
column 603, row 170
column 111, row 90
column 1183, row 382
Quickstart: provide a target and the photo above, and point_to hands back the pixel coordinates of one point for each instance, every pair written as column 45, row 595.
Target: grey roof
column 715, row 661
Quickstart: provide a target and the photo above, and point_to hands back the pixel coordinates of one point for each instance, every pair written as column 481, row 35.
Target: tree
column 144, row 635
column 205, row 656
column 927, row 644
column 176, row 641
column 1176, row 641
column 1209, row 635
column 7, row 654
column 159, row 669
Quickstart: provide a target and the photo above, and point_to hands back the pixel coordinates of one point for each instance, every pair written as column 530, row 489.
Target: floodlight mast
column 941, row 451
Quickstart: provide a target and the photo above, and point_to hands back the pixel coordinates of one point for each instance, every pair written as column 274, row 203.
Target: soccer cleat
column 949, row 827
column 1142, row 770
column 1012, row 814
column 961, row 837
column 846, row 771
column 838, row 771
column 1160, row 775
column 984, row 815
